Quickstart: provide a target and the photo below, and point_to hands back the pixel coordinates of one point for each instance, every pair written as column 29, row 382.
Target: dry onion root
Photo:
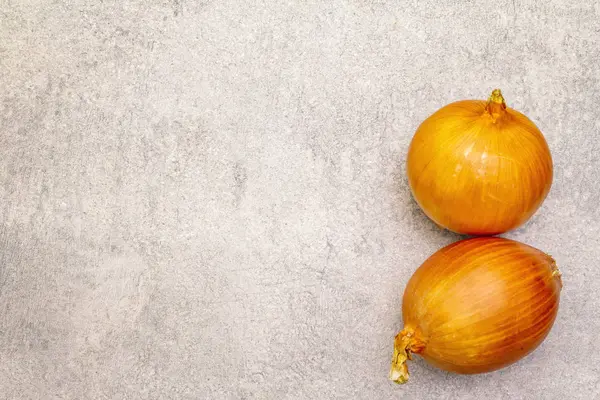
column 477, row 305
column 479, row 168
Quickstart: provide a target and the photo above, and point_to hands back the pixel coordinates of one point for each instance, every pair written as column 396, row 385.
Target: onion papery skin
column 479, row 168
column 477, row 305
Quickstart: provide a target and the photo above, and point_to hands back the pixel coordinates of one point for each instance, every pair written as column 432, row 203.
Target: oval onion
column 477, row 305
column 479, row 168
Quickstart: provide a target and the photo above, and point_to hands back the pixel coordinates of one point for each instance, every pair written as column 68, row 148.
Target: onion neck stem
column 556, row 272
column 405, row 344
column 496, row 106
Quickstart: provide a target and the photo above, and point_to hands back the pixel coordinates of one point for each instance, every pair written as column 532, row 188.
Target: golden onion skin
column 477, row 305
column 479, row 168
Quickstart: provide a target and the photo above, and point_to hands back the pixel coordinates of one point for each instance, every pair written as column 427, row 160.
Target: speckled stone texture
column 207, row 199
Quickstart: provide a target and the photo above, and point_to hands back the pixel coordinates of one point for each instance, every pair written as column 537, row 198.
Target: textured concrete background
column 207, row 199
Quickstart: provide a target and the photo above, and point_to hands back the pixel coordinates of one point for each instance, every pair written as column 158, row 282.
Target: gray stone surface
column 207, row 199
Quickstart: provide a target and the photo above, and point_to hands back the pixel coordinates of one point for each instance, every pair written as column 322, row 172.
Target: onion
column 477, row 305
column 479, row 168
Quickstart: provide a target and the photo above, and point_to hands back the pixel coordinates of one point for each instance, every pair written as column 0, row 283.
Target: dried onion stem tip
column 496, row 106
column 405, row 344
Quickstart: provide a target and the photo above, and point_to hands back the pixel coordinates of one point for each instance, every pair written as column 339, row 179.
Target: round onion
column 479, row 168
column 477, row 305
